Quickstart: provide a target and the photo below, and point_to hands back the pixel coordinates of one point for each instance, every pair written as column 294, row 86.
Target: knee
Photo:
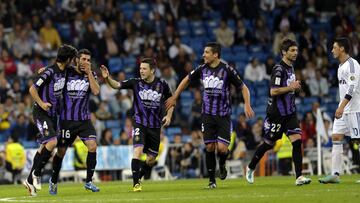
column 61, row 152
column 51, row 144
column 210, row 147
column 137, row 152
column 150, row 160
column 337, row 137
column 223, row 149
column 92, row 146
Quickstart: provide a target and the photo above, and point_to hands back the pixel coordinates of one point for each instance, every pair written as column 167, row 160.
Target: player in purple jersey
column 281, row 113
column 47, row 94
column 75, row 118
column 150, row 94
column 216, row 76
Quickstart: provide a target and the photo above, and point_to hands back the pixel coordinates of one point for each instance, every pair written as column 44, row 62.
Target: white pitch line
column 34, row 199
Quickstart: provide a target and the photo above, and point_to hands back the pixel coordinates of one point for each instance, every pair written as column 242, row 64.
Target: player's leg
column 57, row 162
column 152, row 149
column 272, row 131
column 340, row 128
column 49, row 140
column 91, row 164
column 293, row 131
column 28, row 183
column 138, row 140
column 223, row 140
column 208, row 128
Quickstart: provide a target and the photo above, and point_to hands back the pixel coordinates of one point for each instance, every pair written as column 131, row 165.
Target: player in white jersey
column 347, row 115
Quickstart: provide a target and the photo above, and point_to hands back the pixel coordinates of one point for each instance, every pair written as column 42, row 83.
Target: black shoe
column 223, row 173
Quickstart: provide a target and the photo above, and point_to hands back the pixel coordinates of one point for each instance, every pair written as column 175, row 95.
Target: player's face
column 335, row 50
column 209, row 56
column 292, row 53
column 84, row 58
column 145, row 71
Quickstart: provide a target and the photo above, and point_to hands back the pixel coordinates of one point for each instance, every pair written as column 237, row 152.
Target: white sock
column 336, row 157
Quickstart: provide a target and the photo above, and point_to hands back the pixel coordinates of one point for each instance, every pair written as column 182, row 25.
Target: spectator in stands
column 319, row 86
column 283, row 150
column 242, row 35
column 262, row 32
column 99, row 25
column 50, row 35
column 308, row 128
column 255, row 71
column 24, row 68
column 15, row 158
column 283, row 34
column 190, row 158
column 108, row 47
column 177, row 46
column 309, row 71
column 306, row 40
column 225, row 35
column 176, row 8
column 106, row 137
column 103, row 112
column 9, row 63
column 132, row 44
column 196, row 111
column 124, row 138
column 22, row 46
column 267, row 5
column 169, row 75
column 19, row 128
column 80, row 154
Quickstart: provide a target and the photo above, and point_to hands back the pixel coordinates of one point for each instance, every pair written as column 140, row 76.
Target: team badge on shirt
column 352, row 78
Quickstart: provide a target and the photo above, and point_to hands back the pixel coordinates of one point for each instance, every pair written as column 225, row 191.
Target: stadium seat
column 129, row 61
column 115, row 65
column 112, row 124
column 173, row 130
column 115, row 133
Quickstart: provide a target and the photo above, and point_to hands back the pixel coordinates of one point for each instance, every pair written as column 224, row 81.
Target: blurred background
column 174, row 32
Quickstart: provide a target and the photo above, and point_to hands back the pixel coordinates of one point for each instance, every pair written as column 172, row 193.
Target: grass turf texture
column 265, row 189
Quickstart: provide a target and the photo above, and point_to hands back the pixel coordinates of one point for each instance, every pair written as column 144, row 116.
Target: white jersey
column 349, row 77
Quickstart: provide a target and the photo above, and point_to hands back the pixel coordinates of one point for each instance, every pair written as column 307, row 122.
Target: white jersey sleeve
column 349, row 81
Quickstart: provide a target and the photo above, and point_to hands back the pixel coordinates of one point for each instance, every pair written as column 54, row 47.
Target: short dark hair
column 66, row 52
column 149, row 61
column 215, row 48
column 343, row 42
column 286, row 44
column 83, row 51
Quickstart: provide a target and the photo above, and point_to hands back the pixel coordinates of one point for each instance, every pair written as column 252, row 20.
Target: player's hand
column 339, row 112
column 85, row 67
column 295, row 85
column 249, row 113
column 170, row 102
column 42, row 69
column 166, row 121
column 104, row 71
column 46, row 106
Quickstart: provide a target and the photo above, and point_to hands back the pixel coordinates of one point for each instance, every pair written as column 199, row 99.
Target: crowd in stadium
column 173, row 33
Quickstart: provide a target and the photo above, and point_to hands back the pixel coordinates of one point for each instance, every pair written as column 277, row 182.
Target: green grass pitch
column 265, row 189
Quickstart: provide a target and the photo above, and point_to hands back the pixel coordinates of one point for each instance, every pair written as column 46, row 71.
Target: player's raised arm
column 170, row 102
column 106, row 75
column 94, row 85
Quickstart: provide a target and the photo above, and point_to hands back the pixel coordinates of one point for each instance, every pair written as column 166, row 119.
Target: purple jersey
column 148, row 101
column 50, row 86
column 216, row 83
column 76, row 96
column 282, row 105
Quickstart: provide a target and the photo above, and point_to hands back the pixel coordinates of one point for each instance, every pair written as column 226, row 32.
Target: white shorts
column 348, row 125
